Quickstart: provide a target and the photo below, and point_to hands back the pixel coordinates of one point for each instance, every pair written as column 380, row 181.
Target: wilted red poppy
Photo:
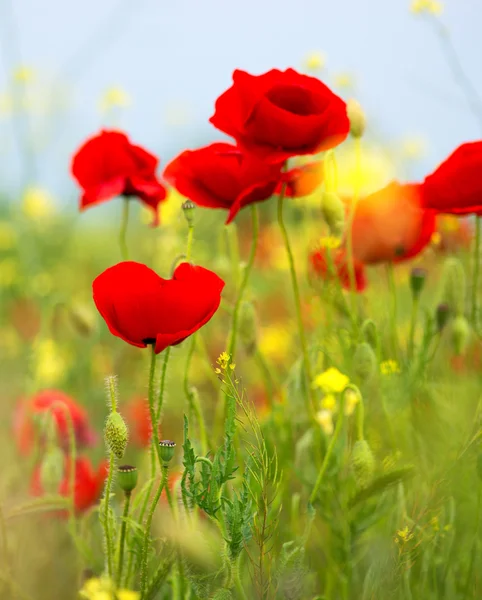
column 456, row 185
column 60, row 406
column 139, row 421
column 321, row 267
column 87, row 487
column 281, row 114
column 109, row 165
column 221, row 176
column 142, row 308
column 391, row 225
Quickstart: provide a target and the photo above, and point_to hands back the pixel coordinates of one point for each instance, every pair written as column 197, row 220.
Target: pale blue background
column 182, row 52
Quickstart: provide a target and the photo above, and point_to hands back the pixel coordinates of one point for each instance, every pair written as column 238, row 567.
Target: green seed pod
column 189, row 209
column 362, row 463
column 364, row 361
column 370, row 333
column 248, row 328
column 417, row 281
column 454, row 285
column 356, row 117
column 460, row 334
column 442, row 315
column 333, row 212
column 116, row 434
column 52, row 469
column 127, row 478
column 167, row 450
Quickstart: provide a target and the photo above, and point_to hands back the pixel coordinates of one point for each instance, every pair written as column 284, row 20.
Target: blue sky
column 177, row 56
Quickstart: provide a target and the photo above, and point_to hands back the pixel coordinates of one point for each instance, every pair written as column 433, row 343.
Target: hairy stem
column 123, row 230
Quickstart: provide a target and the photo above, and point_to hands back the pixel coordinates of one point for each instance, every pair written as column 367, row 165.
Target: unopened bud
column 189, row 208
column 248, row 328
column 442, row 315
column 370, row 333
column 364, row 361
column 454, row 285
column 52, row 469
column 417, row 281
column 333, row 212
column 127, row 478
column 167, row 450
column 460, row 334
column 356, row 117
column 82, row 319
column 116, row 434
column 362, row 463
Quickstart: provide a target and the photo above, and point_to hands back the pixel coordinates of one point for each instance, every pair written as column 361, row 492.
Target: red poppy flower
column 109, row 165
column 60, row 406
column 139, row 421
column 281, row 114
column 320, row 266
column 87, row 487
column 391, row 224
column 456, row 185
column 221, row 176
column 142, row 308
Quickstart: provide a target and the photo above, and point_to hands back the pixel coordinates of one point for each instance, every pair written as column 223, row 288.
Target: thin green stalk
column 329, row 451
column 190, row 237
column 349, row 230
column 233, row 250
column 123, row 230
column 244, row 282
column 152, row 411
column 360, row 419
column 413, row 324
column 475, row 288
column 394, row 309
column 269, row 382
column 125, row 514
column 192, row 398
column 162, row 386
column 106, row 525
column 147, row 532
column 310, row 397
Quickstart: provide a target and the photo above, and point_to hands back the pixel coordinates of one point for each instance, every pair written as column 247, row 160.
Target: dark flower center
column 148, row 341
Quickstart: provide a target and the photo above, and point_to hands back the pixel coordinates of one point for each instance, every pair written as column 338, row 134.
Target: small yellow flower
column 50, row 366
column 389, row 367
column 344, row 80
column 329, row 402
column 404, row 535
column 274, row 342
column 37, row 203
column 431, row 7
column 114, row 97
column 23, row 74
column 352, row 398
column 104, row 589
column 315, row 61
column 331, row 380
column 224, row 360
column 325, row 420
column 330, row 241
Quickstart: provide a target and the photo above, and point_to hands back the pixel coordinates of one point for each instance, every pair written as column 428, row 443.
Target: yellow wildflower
column 404, row 535
column 329, row 402
column 223, row 360
column 114, row 97
column 23, row 74
column 104, row 589
column 325, row 420
column 275, row 342
column 49, row 364
column 331, row 380
column 330, row 241
column 434, row 522
column 389, row 367
column 352, row 398
column 431, row 7
column 315, row 61
column 37, row 203
column 344, row 80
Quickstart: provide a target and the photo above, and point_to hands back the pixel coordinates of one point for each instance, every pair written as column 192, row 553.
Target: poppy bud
column 356, row 117
column 362, row 463
column 454, row 285
column 116, row 434
column 82, row 319
column 189, row 208
column 417, row 281
column 442, row 315
column 248, row 328
column 127, row 478
column 364, row 361
column 333, row 212
column 52, row 469
column 167, row 450
column 370, row 333
column 460, row 334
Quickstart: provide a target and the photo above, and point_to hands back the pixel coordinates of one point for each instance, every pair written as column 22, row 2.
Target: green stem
column 394, row 309
column 152, row 411
column 190, row 237
column 349, row 231
column 162, row 385
column 106, row 524
column 192, row 398
column 244, row 282
column 329, row 451
column 475, row 288
column 125, row 514
column 123, row 230
column 233, row 249
column 269, row 382
column 360, row 419
column 413, row 323
column 147, row 533
column 310, row 397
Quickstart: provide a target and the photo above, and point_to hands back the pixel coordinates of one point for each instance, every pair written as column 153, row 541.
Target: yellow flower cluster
column 114, row 97
column 389, row 367
column 333, row 382
column 330, row 241
column 224, row 362
column 426, row 6
column 104, row 589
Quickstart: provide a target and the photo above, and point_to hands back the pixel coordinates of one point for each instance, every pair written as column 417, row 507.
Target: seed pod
column 333, row 212
column 189, row 208
column 248, row 328
column 168, row 448
column 356, row 117
column 116, row 434
column 362, row 463
column 127, row 478
column 364, row 362
column 417, row 281
column 442, row 315
column 460, row 334
column 52, row 469
column 370, row 333
column 454, row 285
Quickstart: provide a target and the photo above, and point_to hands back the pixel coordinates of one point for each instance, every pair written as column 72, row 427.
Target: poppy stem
column 190, row 236
column 244, row 282
column 413, row 323
column 106, row 521
column 394, row 309
column 152, row 411
column 162, row 386
column 123, row 230
column 125, row 514
column 310, row 397
column 475, row 284
column 192, row 397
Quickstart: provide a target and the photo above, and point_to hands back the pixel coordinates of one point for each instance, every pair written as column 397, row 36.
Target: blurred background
column 155, row 68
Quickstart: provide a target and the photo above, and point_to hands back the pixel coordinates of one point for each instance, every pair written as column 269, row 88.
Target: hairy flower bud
column 116, row 434
column 333, row 212
column 248, row 328
column 52, row 469
column 127, row 478
column 370, row 333
column 364, row 361
column 454, row 285
column 362, row 463
column 356, row 117
column 460, row 334
column 189, row 208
